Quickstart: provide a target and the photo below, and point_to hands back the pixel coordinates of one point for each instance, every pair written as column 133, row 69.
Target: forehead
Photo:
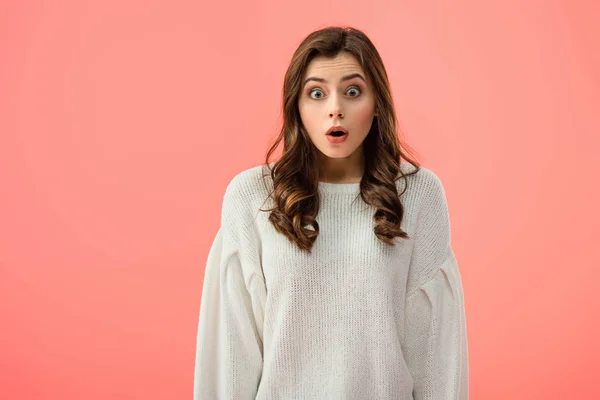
column 341, row 64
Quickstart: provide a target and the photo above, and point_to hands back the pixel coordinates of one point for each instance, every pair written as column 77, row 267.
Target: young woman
column 346, row 287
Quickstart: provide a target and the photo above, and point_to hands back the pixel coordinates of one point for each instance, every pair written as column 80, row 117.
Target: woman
column 346, row 287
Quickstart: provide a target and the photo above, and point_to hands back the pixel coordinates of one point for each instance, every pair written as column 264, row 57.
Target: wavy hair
column 295, row 174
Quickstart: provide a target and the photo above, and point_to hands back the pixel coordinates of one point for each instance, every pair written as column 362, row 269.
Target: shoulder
column 248, row 183
column 246, row 190
column 422, row 184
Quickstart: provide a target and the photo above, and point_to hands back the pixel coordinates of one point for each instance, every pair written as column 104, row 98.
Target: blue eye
column 319, row 90
column 313, row 91
column 356, row 89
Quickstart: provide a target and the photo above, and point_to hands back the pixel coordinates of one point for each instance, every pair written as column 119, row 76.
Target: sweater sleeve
column 229, row 352
column 435, row 324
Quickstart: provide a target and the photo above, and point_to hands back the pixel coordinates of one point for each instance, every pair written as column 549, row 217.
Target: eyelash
column 351, row 87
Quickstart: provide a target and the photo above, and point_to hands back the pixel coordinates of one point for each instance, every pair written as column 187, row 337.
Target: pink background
column 121, row 124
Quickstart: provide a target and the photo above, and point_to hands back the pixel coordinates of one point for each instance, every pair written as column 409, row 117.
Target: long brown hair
column 295, row 174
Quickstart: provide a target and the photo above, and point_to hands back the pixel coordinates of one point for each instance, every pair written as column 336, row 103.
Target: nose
column 336, row 108
column 337, row 113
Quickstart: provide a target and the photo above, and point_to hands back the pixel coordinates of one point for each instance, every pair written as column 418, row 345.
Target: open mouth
column 337, row 133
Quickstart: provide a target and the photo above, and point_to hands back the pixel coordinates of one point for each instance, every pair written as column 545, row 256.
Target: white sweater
column 357, row 319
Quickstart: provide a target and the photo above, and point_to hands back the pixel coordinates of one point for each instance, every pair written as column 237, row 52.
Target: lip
column 337, row 128
column 336, row 139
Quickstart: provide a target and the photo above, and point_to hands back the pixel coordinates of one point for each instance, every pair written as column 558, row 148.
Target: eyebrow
column 344, row 78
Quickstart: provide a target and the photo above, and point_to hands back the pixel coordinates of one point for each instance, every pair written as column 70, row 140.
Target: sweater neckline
column 329, row 187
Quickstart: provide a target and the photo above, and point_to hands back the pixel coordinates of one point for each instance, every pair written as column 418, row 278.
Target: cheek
column 308, row 117
column 365, row 112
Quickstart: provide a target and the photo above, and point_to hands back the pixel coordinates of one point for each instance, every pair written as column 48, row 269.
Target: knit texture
column 356, row 319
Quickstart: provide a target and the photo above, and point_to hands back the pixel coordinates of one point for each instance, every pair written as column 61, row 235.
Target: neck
column 341, row 170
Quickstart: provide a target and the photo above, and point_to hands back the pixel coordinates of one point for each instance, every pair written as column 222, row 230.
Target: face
column 329, row 99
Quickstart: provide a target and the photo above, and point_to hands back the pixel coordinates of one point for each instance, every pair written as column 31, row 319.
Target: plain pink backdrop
column 121, row 123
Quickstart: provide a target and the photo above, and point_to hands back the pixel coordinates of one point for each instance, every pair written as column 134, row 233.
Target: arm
column 435, row 324
column 229, row 352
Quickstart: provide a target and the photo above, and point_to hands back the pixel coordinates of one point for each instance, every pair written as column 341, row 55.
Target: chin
column 337, row 154
column 343, row 151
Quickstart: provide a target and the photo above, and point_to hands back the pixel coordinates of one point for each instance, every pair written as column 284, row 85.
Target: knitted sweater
column 356, row 319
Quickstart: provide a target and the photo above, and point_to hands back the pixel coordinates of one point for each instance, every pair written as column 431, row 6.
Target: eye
column 354, row 88
column 315, row 91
